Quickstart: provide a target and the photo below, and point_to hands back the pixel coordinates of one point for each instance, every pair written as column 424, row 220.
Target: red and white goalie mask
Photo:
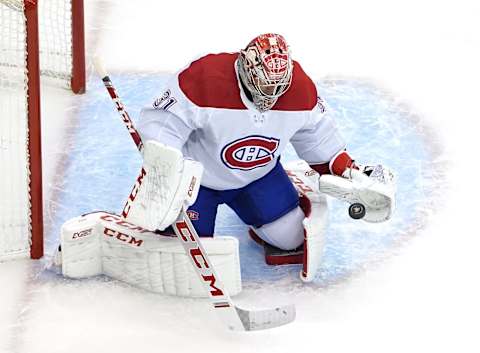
column 265, row 68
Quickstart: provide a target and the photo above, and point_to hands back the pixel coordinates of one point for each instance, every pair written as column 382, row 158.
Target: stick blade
column 264, row 319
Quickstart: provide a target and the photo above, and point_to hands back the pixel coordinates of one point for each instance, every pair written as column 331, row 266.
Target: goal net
column 34, row 41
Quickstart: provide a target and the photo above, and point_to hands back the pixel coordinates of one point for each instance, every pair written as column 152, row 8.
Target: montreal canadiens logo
column 250, row 152
column 277, row 63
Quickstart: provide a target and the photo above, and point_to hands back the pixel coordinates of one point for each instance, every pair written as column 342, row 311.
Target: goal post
column 78, row 47
column 34, row 133
column 38, row 39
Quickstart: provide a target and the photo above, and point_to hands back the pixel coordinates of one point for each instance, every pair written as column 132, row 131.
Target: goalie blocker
column 166, row 182
column 104, row 243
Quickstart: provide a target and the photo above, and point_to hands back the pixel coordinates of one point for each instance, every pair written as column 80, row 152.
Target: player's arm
column 321, row 145
column 163, row 126
column 167, row 180
column 170, row 118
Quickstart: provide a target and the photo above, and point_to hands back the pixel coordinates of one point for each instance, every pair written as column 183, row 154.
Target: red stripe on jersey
column 211, row 82
column 302, row 94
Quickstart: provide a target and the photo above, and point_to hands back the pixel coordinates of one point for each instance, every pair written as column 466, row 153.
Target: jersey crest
column 250, row 152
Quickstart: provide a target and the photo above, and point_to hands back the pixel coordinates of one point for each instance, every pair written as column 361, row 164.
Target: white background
column 424, row 299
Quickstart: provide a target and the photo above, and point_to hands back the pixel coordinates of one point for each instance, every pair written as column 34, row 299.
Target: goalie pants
column 260, row 202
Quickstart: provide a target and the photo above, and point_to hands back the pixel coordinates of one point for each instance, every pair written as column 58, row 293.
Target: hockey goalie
column 214, row 136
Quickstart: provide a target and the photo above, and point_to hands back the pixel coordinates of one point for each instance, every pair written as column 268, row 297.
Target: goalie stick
column 234, row 318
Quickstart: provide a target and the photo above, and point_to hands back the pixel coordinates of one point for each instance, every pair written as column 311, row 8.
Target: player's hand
column 375, row 188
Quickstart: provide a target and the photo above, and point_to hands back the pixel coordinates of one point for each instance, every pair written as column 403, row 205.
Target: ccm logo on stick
column 250, row 152
column 198, row 258
column 134, row 193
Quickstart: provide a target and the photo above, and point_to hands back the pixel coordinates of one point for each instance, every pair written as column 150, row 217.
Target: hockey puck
column 356, row 210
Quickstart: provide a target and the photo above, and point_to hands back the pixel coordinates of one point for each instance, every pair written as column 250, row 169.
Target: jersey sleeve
column 171, row 117
column 319, row 140
column 163, row 127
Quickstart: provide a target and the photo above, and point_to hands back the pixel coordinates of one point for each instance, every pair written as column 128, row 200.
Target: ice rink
column 401, row 80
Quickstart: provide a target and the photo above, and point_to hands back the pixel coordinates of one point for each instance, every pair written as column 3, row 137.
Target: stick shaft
column 187, row 235
column 123, row 113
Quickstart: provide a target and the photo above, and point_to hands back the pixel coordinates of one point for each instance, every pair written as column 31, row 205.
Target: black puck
column 356, row 210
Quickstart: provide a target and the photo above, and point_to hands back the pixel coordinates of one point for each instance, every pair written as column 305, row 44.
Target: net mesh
column 55, row 18
column 55, row 34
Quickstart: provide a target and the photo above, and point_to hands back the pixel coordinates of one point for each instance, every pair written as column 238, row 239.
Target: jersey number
column 165, row 101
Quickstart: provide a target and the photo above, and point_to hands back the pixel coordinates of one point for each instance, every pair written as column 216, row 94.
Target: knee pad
column 286, row 232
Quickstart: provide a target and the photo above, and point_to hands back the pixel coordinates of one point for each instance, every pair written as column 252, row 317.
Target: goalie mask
column 265, row 68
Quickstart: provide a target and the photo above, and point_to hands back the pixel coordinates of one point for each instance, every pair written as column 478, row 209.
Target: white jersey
column 205, row 113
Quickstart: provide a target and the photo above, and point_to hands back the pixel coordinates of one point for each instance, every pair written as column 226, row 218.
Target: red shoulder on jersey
column 211, row 82
column 302, row 94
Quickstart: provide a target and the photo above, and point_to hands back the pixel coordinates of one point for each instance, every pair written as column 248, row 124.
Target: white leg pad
column 103, row 243
column 315, row 224
column 305, row 181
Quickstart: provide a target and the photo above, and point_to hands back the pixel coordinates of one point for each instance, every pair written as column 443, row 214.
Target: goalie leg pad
column 315, row 224
column 104, row 243
column 315, row 206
